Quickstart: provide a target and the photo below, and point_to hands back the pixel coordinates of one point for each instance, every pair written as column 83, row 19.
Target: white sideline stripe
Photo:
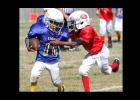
column 107, row 88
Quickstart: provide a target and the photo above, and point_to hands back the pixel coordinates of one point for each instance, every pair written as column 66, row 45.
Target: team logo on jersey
column 83, row 16
column 51, row 38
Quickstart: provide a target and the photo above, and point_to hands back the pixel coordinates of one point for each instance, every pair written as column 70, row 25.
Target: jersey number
column 54, row 50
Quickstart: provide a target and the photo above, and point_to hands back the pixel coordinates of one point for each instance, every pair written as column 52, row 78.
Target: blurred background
column 25, row 13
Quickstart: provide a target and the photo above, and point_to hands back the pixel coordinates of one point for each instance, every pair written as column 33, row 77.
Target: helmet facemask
column 71, row 24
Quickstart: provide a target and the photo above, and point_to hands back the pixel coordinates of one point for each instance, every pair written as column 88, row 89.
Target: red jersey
column 73, row 35
column 105, row 13
column 92, row 42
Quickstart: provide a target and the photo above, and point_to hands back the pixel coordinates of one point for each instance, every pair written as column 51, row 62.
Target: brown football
column 34, row 43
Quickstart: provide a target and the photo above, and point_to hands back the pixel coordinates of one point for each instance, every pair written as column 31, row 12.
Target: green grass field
column 69, row 65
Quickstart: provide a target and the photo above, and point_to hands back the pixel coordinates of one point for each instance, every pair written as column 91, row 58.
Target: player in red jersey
column 98, row 53
column 106, row 16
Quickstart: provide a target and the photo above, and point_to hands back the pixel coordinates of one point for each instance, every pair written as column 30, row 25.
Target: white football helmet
column 46, row 9
column 54, row 17
column 77, row 20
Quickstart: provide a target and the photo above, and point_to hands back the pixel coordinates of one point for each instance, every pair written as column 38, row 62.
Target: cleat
column 110, row 45
column 116, row 61
column 61, row 88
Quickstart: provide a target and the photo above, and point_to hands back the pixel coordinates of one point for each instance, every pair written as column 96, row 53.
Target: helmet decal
column 46, row 14
column 83, row 16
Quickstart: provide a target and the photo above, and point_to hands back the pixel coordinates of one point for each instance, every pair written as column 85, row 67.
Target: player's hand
column 30, row 49
column 56, row 42
column 29, row 44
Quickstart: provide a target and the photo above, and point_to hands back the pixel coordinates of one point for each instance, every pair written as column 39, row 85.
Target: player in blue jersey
column 47, row 54
column 64, row 31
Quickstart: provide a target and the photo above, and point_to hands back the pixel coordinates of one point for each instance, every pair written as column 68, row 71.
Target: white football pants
column 101, row 59
column 105, row 27
column 51, row 67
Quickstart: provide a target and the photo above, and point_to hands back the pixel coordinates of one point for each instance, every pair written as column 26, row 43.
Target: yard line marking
column 107, row 88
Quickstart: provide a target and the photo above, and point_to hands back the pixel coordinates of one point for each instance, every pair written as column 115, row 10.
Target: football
column 34, row 44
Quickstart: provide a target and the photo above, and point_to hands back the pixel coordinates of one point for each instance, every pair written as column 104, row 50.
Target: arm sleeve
column 64, row 35
column 40, row 19
column 34, row 31
column 85, row 36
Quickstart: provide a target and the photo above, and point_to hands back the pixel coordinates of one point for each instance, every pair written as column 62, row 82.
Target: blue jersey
column 46, row 51
column 40, row 19
column 64, row 34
